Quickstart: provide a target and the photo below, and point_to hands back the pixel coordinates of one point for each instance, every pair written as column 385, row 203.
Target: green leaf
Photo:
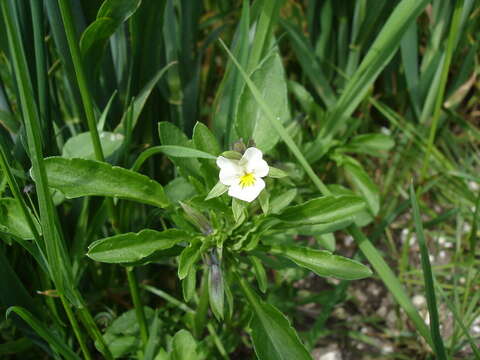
column 273, row 336
column 327, row 241
column 172, row 135
column 13, row 221
column 276, row 173
column 365, row 185
column 111, row 15
column 281, row 201
column 217, row 191
column 184, row 346
column 189, row 284
column 204, row 139
column 264, row 200
column 188, row 258
column 250, row 120
column 179, row 189
column 238, row 209
column 131, row 247
column 184, row 152
column 371, row 144
column 123, row 335
column 260, row 273
column 324, row 210
column 324, row 263
column 80, row 177
column 229, row 90
column 80, row 146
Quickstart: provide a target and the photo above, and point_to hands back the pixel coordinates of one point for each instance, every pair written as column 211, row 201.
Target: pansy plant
column 223, row 233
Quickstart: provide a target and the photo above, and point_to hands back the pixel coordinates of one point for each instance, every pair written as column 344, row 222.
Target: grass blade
column 438, row 346
column 56, row 344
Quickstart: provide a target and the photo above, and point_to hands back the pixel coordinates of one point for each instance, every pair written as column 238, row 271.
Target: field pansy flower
column 244, row 176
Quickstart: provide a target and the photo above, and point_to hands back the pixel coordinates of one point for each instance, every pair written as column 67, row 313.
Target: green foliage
column 79, row 177
column 323, row 262
column 114, row 113
column 131, row 247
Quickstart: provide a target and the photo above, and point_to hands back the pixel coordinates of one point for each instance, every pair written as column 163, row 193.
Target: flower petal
column 254, row 162
column 248, row 193
column 252, row 154
column 259, row 168
column 230, row 171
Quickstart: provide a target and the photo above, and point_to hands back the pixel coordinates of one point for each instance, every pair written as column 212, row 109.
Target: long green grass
column 118, row 241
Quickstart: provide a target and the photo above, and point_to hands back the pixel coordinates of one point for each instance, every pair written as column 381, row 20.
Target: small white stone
column 348, row 240
column 387, row 349
column 404, row 235
column 473, row 185
column 418, row 300
column 413, row 239
column 467, row 228
column 331, row 355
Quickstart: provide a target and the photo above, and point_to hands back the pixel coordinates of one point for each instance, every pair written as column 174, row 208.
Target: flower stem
column 76, row 328
column 137, row 302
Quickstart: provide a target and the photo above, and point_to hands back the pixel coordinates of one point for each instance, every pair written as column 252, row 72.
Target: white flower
column 244, row 176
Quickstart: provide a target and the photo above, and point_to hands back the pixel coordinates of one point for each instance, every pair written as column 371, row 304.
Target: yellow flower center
column 247, row 180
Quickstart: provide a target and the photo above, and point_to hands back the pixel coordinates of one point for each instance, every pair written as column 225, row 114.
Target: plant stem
column 76, row 328
column 137, row 302
column 81, row 78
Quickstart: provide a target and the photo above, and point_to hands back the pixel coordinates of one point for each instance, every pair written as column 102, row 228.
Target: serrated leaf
column 324, row 263
column 325, row 209
column 131, row 247
column 80, row 177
